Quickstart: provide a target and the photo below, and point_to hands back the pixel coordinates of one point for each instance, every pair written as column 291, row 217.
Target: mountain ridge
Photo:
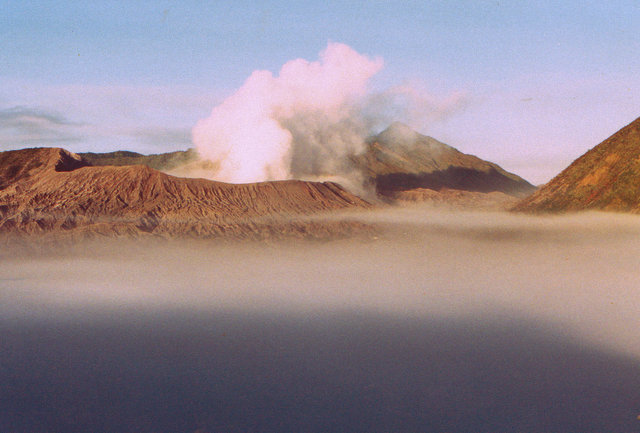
column 61, row 192
column 606, row 177
column 399, row 164
column 399, row 160
column 159, row 161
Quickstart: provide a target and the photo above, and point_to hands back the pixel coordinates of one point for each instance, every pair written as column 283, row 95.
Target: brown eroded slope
column 406, row 165
column 399, row 163
column 52, row 190
column 25, row 164
column 606, row 177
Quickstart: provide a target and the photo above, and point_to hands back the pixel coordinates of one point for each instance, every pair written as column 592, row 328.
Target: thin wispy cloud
column 26, row 126
column 21, row 114
column 99, row 118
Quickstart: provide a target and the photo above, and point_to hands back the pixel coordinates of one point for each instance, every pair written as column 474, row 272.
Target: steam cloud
column 308, row 120
column 298, row 122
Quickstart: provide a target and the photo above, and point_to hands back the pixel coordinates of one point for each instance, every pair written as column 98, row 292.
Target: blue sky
column 542, row 82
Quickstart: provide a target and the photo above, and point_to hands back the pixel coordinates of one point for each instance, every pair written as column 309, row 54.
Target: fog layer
column 464, row 322
column 579, row 272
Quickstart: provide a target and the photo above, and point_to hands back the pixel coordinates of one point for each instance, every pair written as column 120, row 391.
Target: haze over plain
column 451, row 322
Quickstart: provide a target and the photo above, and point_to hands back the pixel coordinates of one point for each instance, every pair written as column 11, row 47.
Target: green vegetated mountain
column 606, row 177
column 53, row 191
column 162, row 161
column 405, row 165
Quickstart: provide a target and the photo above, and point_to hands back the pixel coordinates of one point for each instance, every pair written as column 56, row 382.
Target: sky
column 528, row 85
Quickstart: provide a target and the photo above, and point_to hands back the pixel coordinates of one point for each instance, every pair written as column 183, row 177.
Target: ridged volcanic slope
column 52, row 189
column 400, row 159
column 606, row 177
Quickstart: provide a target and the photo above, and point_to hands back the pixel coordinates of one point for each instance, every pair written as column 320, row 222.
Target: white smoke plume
column 414, row 105
column 276, row 126
column 309, row 120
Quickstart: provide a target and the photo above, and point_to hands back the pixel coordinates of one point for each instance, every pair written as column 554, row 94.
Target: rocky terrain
column 399, row 163
column 606, row 177
column 453, row 199
column 51, row 190
column 405, row 165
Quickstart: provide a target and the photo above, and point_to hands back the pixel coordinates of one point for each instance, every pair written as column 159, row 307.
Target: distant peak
column 68, row 161
column 399, row 127
column 398, row 132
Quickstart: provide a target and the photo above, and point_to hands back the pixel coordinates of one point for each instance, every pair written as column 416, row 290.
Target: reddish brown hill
column 403, row 163
column 52, row 190
column 24, row 164
column 607, row 177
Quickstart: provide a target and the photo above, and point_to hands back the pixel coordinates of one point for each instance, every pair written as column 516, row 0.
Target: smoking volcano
column 320, row 120
column 305, row 121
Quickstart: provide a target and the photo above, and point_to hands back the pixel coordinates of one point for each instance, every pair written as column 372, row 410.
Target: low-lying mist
column 442, row 321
